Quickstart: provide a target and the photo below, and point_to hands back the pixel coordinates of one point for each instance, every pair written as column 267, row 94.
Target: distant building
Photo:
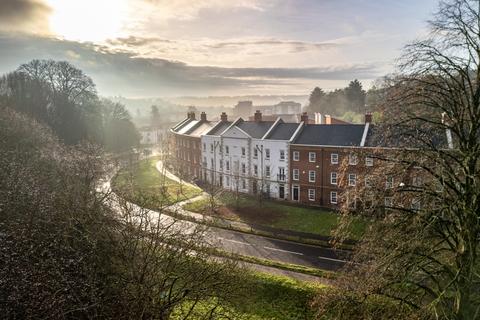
column 287, row 107
column 327, row 119
column 243, row 109
column 151, row 135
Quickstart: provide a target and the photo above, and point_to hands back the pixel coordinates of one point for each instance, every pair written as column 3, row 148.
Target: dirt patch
column 250, row 214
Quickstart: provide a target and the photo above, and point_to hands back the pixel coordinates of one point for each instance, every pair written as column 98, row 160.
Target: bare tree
column 421, row 253
column 68, row 251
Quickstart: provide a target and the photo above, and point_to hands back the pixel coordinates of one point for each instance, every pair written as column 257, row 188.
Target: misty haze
column 249, row 159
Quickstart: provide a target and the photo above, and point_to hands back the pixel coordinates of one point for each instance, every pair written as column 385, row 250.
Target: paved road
column 278, row 250
column 261, row 247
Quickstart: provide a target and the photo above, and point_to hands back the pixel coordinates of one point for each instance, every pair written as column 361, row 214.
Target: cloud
column 188, row 9
column 295, row 46
column 205, row 51
column 24, row 16
column 121, row 73
column 133, row 41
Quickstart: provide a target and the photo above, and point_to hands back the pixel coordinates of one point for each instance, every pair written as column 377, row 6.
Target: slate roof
column 283, row 131
column 181, row 124
column 219, row 129
column 200, row 128
column 255, row 129
column 406, row 137
column 331, row 135
column 185, row 128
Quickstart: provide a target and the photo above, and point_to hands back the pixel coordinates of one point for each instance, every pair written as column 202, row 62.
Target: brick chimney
column 304, row 117
column 257, row 116
column 223, row 117
column 203, row 116
column 191, row 115
column 368, row 117
column 328, row 119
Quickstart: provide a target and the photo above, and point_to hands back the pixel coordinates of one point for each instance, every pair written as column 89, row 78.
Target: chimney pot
column 304, row 118
column 224, row 117
column 368, row 117
column 191, row 115
column 203, row 116
column 258, row 116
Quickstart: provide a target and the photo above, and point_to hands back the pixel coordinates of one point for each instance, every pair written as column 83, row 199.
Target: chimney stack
column 191, row 115
column 368, row 117
column 258, row 116
column 304, row 118
column 203, row 116
column 223, row 117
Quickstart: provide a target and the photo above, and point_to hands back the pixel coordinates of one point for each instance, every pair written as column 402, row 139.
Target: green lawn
column 270, row 297
column 144, row 185
column 277, row 215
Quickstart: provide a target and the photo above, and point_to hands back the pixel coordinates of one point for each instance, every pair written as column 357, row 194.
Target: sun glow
column 88, row 20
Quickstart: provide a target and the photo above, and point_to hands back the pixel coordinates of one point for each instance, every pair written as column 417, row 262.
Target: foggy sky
column 218, row 47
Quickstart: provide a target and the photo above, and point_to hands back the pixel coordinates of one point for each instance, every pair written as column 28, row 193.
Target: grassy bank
column 269, row 297
column 276, row 215
column 145, row 185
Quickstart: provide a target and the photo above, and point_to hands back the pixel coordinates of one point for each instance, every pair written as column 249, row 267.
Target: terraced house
column 286, row 161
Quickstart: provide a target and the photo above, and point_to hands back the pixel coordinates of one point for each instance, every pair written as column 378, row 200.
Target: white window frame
column 296, row 155
column 311, row 194
column 282, row 155
column 334, row 158
column 244, row 151
column 416, row 204
column 368, row 183
column 352, row 177
column 255, row 152
column 312, row 157
column 388, row 202
column 227, row 165
column 267, row 171
column 310, row 172
column 333, row 178
column 333, row 197
column 417, row 181
column 267, row 154
column 227, row 150
column 255, row 169
column 244, row 168
column 369, row 161
column 389, row 182
column 352, row 159
column 296, row 174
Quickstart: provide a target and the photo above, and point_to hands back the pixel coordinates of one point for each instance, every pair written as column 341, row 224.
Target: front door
column 296, row 193
column 281, row 191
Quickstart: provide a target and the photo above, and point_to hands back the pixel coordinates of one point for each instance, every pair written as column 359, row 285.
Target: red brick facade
column 186, row 155
column 315, row 167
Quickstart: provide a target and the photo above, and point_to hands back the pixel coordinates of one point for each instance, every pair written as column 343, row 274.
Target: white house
column 249, row 156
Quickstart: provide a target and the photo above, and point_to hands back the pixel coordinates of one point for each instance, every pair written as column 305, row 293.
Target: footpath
column 256, row 229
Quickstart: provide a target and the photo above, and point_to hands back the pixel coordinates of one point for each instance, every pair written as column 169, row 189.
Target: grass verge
column 276, row 215
column 144, row 185
column 267, row 297
column 278, row 265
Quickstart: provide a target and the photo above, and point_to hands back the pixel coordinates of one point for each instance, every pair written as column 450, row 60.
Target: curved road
column 263, row 247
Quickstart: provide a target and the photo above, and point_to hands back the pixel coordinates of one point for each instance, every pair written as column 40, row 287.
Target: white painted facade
column 241, row 163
